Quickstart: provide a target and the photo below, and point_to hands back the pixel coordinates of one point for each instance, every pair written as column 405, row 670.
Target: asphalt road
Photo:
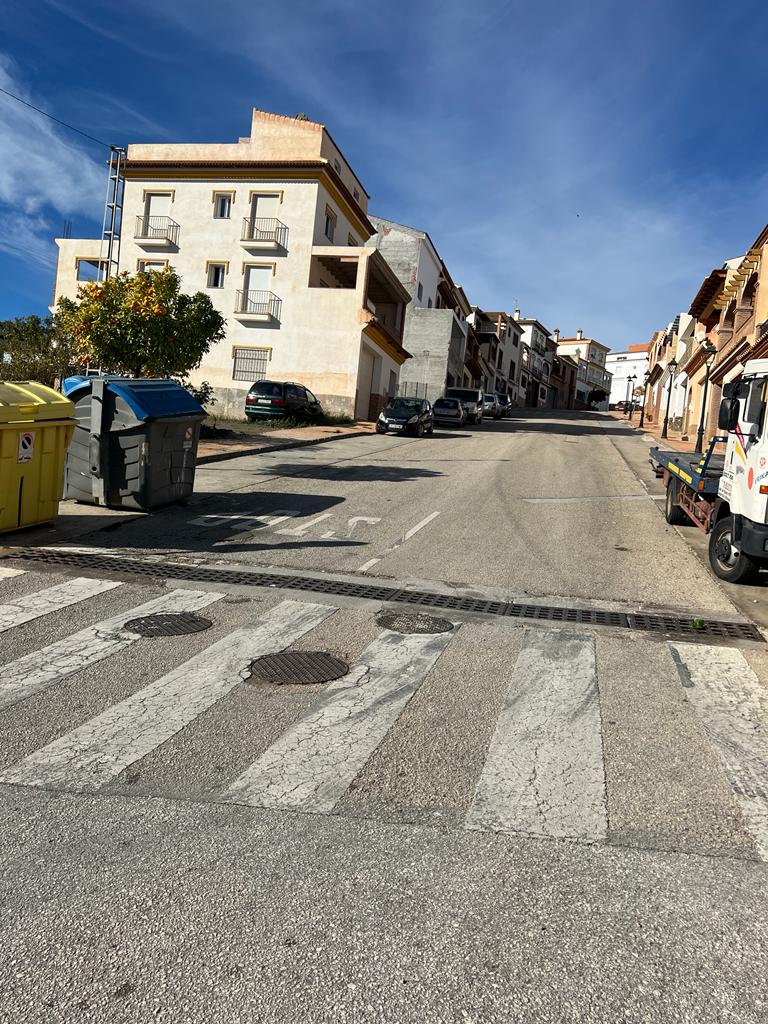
column 491, row 822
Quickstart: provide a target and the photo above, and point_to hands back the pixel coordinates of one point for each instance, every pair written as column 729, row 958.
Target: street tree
column 34, row 348
column 141, row 325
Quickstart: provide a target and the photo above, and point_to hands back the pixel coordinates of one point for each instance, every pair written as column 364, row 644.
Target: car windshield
column 267, row 389
column 409, row 405
column 446, row 403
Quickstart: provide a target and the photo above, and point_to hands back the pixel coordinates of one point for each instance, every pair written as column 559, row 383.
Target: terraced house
column 274, row 227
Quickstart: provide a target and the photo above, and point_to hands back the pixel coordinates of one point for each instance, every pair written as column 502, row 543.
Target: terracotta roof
column 707, row 291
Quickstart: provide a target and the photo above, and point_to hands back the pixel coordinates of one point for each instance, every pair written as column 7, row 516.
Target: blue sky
column 588, row 161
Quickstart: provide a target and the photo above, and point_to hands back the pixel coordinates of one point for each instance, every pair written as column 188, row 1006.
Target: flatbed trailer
column 692, row 481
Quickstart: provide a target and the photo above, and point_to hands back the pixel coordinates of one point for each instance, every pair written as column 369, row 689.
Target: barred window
column 250, row 363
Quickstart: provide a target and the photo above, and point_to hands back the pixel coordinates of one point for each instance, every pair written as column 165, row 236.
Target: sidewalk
column 250, row 442
column 653, row 430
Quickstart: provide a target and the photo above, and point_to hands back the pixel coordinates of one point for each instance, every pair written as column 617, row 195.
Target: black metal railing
column 254, row 303
column 265, row 229
column 161, row 229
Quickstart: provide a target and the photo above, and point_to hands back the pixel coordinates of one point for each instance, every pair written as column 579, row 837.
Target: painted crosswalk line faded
column 96, row 752
column 52, row 599
column 311, row 766
column 34, row 672
column 733, row 707
column 544, row 771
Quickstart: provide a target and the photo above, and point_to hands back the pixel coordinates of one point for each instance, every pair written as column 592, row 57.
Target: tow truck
column 725, row 492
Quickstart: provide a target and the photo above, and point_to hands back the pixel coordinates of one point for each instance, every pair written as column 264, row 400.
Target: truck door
column 748, row 452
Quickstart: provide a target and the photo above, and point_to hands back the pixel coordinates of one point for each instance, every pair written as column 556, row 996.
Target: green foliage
column 143, row 325
column 32, row 348
column 202, row 393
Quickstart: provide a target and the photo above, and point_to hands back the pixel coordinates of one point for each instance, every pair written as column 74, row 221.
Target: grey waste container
column 135, row 443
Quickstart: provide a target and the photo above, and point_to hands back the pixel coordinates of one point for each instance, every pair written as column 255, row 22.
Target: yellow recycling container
column 36, row 425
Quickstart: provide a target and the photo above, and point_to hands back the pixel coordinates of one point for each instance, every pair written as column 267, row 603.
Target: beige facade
column 274, row 229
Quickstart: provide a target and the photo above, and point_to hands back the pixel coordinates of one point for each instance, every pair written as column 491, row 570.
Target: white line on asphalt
column 96, row 752
column 733, row 706
column 7, row 573
column 311, row 766
column 406, row 536
column 246, row 521
column 52, row 599
column 544, row 770
column 586, row 497
column 37, row 671
column 297, row 531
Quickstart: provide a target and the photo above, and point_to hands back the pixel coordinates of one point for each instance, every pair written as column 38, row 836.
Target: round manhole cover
column 168, row 624
column 297, row 667
column 413, row 622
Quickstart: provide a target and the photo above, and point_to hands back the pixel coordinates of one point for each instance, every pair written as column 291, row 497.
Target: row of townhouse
column 708, row 346
column 275, row 229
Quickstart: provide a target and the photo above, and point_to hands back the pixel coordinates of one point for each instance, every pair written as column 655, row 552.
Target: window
column 356, row 194
column 337, row 166
column 295, row 392
column 222, row 205
column 330, row 223
column 515, row 340
column 351, row 240
column 88, row 269
column 216, row 273
column 419, row 290
column 542, row 394
column 392, row 382
column 144, row 266
column 249, row 363
column 429, row 303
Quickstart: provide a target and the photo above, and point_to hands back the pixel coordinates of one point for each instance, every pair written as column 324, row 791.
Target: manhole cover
column 297, row 667
column 168, row 624
column 413, row 622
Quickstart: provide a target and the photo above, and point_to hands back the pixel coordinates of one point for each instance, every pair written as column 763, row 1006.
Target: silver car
column 449, row 412
column 491, row 406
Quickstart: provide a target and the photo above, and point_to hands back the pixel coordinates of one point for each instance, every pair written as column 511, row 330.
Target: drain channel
column 661, row 623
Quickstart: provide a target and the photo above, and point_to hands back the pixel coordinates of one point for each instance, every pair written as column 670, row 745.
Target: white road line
column 245, row 521
column 7, row 573
column 37, row 671
column 733, row 707
column 586, row 497
column 406, row 536
column 297, row 531
column 95, row 753
column 53, row 599
column 313, row 764
column 544, row 770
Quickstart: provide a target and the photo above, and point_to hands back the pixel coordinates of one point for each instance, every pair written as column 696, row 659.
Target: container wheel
column 672, row 511
column 726, row 558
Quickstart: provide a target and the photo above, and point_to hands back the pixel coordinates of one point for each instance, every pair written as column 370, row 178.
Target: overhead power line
column 64, row 124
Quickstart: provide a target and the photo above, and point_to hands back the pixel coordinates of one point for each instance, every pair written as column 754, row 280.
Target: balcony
column 156, row 231
column 258, row 306
column 264, row 233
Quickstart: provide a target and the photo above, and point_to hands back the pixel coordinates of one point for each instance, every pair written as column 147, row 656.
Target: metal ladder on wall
column 109, row 253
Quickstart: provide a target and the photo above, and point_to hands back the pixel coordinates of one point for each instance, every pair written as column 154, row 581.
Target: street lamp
column 631, row 393
column 711, row 352
column 671, row 366
column 645, row 389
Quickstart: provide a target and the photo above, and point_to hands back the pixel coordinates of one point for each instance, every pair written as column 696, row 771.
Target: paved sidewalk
column 245, row 442
column 653, row 431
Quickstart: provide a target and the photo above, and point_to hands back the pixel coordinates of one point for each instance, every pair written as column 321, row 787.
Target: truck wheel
column 729, row 562
column 672, row 511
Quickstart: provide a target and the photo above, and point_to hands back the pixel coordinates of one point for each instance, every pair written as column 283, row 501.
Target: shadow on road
column 379, row 473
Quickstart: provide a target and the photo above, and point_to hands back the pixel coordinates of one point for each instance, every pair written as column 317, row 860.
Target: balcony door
column 263, row 208
column 156, row 205
column 256, row 284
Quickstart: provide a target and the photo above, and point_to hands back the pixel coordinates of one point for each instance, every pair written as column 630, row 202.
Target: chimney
column 516, row 314
column 579, row 335
column 556, row 335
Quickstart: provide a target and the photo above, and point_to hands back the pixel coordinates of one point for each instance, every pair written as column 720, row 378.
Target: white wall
column 622, row 365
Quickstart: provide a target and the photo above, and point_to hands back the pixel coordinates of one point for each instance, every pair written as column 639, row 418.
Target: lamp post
column 631, row 389
column 711, row 351
column 671, row 366
column 645, row 389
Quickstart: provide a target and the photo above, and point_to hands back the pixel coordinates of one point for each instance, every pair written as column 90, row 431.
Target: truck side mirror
column 728, row 417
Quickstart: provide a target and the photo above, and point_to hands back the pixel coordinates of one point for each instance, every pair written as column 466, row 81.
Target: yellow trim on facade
column 223, row 192
column 259, row 263
column 279, row 192
column 158, row 192
column 217, row 263
column 145, row 260
column 252, row 348
column 381, row 338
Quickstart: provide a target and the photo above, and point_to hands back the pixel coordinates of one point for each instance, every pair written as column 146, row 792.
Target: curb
column 285, row 446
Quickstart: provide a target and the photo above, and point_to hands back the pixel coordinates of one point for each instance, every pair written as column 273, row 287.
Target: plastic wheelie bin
column 36, row 424
column 135, row 443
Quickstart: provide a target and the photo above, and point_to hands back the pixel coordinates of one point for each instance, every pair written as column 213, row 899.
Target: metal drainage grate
column 297, row 667
column 413, row 622
column 661, row 624
column 168, row 624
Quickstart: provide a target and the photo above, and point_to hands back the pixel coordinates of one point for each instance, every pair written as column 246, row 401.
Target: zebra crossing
column 542, row 771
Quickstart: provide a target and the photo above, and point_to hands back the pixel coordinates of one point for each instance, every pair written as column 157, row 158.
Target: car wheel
column 420, row 430
column 380, row 429
column 672, row 511
column 727, row 560
column 431, row 428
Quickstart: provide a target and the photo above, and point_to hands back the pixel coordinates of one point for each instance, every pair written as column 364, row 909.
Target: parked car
column 491, row 406
column 406, row 416
column 471, row 399
column 505, row 404
column 449, row 412
column 274, row 400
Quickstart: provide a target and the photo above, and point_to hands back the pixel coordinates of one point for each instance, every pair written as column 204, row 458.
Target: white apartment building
column 537, row 357
column 274, row 228
column 590, row 356
column 623, row 366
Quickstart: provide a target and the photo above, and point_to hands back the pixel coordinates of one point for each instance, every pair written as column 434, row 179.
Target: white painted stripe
column 406, row 536
column 99, row 750
column 313, row 764
column 586, row 497
column 369, row 564
column 733, row 706
column 544, row 770
column 37, row 671
column 7, row 573
column 246, row 520
column 53, row 599
column 420, row 526
column 302, row 528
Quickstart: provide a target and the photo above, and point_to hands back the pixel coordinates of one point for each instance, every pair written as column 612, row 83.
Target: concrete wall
column 411, row 257
column 436, row 341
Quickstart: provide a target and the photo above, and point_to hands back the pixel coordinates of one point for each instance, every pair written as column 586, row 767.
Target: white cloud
column 44, row 177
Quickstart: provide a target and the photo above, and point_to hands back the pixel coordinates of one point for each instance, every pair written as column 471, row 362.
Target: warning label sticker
column 26, row 446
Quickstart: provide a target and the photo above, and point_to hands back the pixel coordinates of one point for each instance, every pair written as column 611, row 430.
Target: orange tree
column 143, row 326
